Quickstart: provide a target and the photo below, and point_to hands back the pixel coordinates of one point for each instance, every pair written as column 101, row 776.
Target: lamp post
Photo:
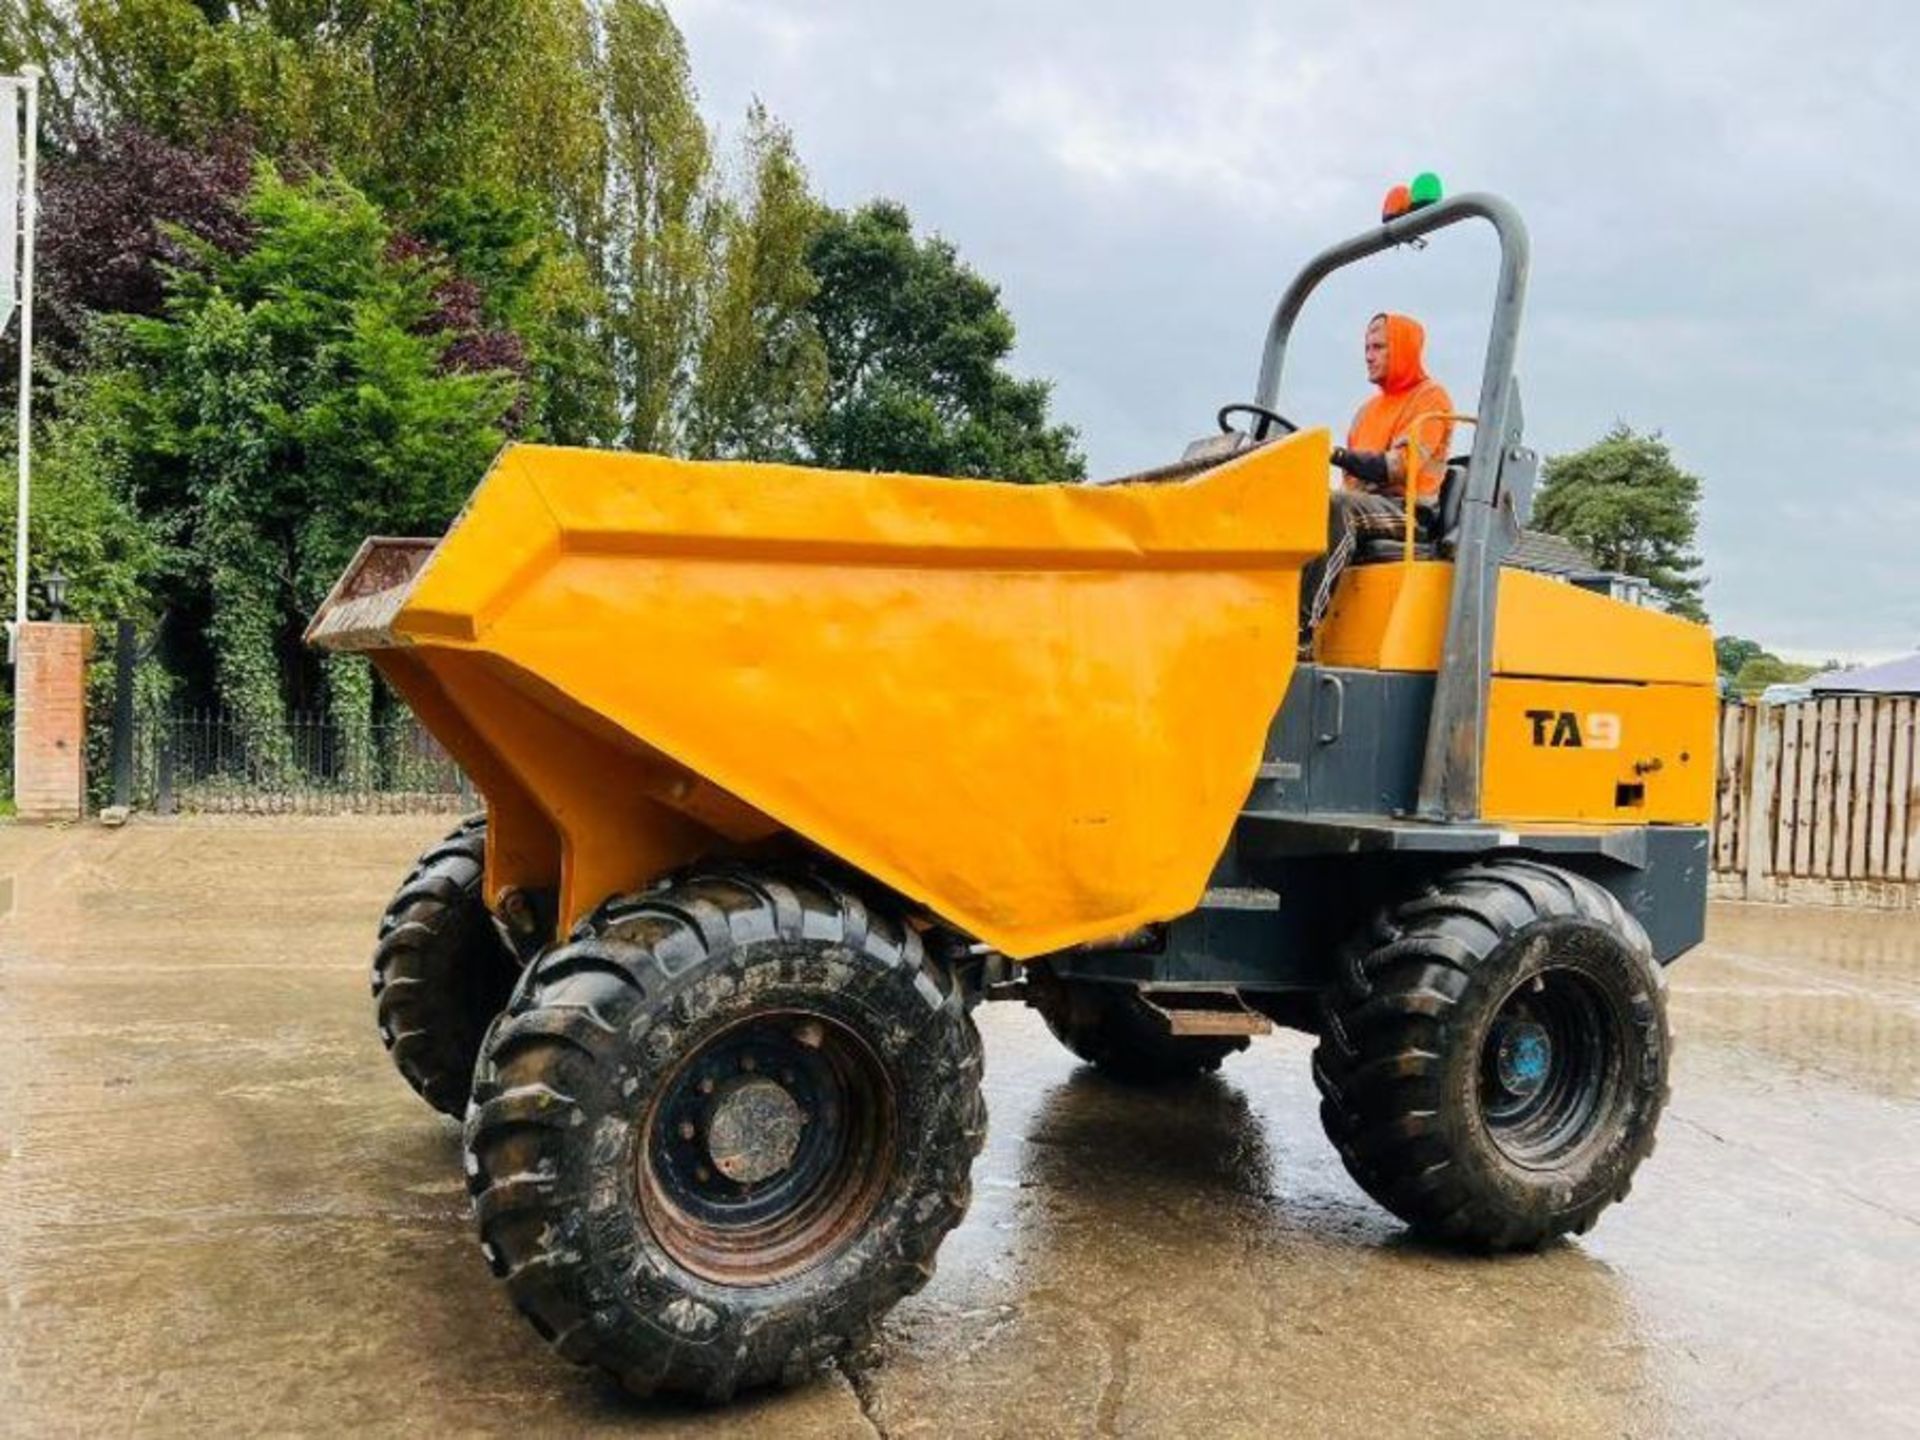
column 19, row 149
column 57, row 593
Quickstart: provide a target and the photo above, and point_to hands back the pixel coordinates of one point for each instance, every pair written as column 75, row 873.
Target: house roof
column 1890, row 677
column 1549, row 554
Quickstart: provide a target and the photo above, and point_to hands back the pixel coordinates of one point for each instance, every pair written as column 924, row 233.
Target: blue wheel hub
column 1523, row 1058
column 1549, row 1062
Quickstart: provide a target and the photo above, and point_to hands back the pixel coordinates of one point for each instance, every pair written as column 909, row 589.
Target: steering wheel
column 1265, row 420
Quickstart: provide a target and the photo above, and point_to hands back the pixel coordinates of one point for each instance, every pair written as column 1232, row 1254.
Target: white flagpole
column 31, row 79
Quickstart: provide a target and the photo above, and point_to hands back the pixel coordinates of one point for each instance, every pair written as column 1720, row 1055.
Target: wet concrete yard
column 221, row 1211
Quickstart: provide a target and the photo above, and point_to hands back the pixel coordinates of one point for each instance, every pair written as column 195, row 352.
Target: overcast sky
column 1724, row 200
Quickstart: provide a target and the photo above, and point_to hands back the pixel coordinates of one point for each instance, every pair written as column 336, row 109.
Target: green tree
column 82, row 523
column 533, row 285
column 289, row 401
column 182, row 70
column 83, row 527
column 1730, row 652
column 475, row 120
column 662, row 223
column 916, row 344
column 761, row 368
column 477, row 217
column 555, row 151
column 1760, row 671
column 1625, row 501
column 406, row 97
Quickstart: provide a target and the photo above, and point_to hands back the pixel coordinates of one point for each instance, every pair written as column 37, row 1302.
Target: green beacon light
column 1425, row 189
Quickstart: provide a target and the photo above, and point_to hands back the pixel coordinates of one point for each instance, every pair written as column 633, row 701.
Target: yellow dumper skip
column 1035, row 709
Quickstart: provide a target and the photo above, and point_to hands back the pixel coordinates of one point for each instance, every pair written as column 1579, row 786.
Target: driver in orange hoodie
column 1398, row 431
column 1377, row 455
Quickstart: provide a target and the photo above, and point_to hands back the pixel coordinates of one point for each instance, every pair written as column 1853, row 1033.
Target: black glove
column 1369, row 467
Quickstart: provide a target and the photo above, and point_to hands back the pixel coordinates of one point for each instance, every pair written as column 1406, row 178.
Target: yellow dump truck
column 786, row 770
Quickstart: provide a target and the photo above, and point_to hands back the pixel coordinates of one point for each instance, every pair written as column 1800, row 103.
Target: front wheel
column 722, row 1131
column 1493, row 1057
column 441, row 972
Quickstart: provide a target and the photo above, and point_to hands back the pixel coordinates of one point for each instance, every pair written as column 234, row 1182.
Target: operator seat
column 1436, row 523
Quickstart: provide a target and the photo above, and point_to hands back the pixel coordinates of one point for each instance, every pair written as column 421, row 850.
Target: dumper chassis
column 721, row 1086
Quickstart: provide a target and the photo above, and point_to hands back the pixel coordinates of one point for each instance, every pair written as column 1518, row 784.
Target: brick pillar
column 50, row 720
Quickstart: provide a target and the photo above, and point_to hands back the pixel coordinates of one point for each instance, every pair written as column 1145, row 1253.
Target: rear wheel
column 723, row 1130
column 1112, row 1028
column 440, row 970
column 1493, row 1058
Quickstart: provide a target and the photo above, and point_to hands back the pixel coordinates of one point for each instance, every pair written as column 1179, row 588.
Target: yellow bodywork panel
column 1598, row 711
column 1035, row 709
column 1560, row 750
column 1394, row 616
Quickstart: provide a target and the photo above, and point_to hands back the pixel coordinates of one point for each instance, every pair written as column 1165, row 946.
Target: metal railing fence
column 203, row 761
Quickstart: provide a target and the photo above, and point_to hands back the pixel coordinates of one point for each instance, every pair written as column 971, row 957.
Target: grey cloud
column 1720, row 199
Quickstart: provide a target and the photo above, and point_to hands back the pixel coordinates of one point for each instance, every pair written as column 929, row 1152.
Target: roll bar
column 1450, row 773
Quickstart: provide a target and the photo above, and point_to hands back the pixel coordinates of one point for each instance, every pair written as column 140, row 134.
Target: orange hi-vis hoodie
column 1407, row 396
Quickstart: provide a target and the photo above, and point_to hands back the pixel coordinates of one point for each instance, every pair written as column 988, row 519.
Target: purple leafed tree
column 459, row 314
column 105, row 218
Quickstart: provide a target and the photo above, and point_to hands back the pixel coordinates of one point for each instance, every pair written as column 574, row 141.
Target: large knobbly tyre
column 440, row 970
column 1493, row 1056
column 718, row 1134
column 1112, row 1028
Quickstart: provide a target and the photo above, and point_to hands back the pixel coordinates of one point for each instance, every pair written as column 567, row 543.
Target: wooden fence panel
column 1726, row 802
column 1780, row 862
column 1801, row 862
column 1899, row 715
column 1823, row 786
column 1843, row 788
column 1764, row 764
column 1882, row 786
column 1910, row 723
column 1862, row 798
column 1821, row 790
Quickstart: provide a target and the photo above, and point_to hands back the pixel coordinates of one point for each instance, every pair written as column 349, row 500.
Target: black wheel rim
column 1549, row 1067
column 767, row 1148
